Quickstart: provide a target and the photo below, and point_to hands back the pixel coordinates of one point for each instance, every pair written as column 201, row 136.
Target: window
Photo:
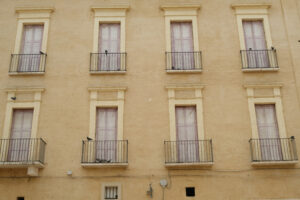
column 20, row 135
column 109, row 53
column 257, row 51
column 187, row 143
column 187, row 135
column 270, row 145
column 190, row 191
column 182, row 45
column 269, row 141
column 20, row 142
column 111, row 191
column 29, row 54
column 109, row 47
column 255, row 43
column 20, row 198
column 105, row 145
column 106, row 134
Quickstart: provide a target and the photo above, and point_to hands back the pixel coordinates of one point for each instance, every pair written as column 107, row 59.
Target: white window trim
column 252, row 12
column 31, row 16
column 95, row 103
column 15, row 104
column 275, row 99
column 181, row 13
column 115, row 13
column 197, row 101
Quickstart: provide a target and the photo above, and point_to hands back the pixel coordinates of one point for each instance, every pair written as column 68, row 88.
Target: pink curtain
column 268, row 132
column 106, row 134
column 187, row 135
column 31, row 44
column 20, row 129
column 109, row 42
column 255, row 40
column 182, row 45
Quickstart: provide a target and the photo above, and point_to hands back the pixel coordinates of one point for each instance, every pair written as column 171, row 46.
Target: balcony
column 273, row 151
column 22, row 153
column 188, row 153
column 259, row 60
column 104, row 153
column 22, row 64
column 108, row 63
column 184, row 62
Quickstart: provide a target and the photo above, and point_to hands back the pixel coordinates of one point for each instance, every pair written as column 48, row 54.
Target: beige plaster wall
column 64, row 112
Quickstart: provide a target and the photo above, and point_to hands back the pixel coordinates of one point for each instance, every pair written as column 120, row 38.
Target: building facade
column 149, row 99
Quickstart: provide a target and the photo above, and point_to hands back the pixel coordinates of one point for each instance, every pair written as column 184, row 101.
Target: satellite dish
column 163, row 183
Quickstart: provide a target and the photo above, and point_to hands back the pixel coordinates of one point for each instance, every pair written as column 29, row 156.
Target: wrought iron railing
column 256, row 59
column 104, row 151
column 27, row 63
column 273, row 149
column 24, row 150
column 188, row 151
column 107, row 62
column 184, row 60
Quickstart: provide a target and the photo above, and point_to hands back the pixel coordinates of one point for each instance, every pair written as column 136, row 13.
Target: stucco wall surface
column 64, row 111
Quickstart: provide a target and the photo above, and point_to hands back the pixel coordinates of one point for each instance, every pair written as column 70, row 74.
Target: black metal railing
column 188, row 151
column 273, row 149
column 27, row 63
column 256, row 59
column 103, row 62
column 25, row 150
column 184, row 60
column 104, row 151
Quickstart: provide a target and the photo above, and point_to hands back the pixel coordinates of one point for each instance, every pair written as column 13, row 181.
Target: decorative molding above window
column 251, row 9
column 187, row 9
column 32, row 12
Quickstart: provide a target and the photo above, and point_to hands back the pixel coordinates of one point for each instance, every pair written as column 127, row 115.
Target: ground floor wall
column 260, row 184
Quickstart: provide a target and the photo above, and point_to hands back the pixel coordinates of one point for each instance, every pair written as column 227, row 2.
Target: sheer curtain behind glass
column 106, row 134
column 109, row 47
column 182, row 45
column 187, row 135
column 270, row 145
column 20, row 135
column 255, row 40
column 29, row 60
